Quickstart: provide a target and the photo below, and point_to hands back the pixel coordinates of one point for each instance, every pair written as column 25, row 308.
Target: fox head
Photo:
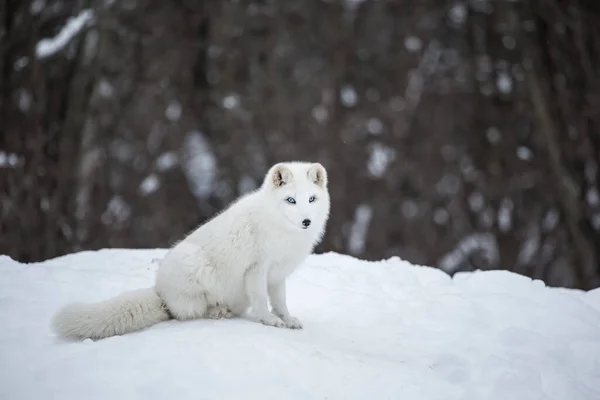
column 300, row 195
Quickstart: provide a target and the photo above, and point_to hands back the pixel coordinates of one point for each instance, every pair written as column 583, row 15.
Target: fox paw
column 292, row 322
column 218, row 312
column 272, row 320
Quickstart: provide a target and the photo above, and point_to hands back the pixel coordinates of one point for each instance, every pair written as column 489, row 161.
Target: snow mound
column 379, row 330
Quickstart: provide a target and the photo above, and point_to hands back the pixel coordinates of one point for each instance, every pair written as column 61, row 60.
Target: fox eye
column 291, row 200
column 312, row 198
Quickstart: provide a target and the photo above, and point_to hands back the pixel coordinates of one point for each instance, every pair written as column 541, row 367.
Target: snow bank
column 384, row 330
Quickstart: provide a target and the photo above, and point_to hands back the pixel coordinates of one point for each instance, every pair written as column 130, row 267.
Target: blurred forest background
column 460, row 134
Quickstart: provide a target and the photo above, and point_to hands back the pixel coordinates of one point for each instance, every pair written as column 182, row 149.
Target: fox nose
column 306, row 223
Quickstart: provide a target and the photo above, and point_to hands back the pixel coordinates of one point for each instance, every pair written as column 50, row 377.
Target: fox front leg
column 256, row 289
column 277, row 294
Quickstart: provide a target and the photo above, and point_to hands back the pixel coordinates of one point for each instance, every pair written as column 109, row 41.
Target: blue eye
column 291, row 200
column 312, row 198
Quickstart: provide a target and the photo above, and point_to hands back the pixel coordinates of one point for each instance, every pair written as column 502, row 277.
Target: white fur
column 238, row 260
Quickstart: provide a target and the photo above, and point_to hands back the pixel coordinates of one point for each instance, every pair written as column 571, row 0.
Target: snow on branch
column 48, row 47
column 484, row 243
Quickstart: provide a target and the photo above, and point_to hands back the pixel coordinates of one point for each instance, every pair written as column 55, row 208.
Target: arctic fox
column 236, row 261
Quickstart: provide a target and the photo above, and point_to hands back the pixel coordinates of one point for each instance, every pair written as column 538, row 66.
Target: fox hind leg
column 188, row 307
column 218, row 311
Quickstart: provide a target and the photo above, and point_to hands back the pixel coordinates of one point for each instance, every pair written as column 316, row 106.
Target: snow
column 397, row 104
column 413, row 43
column 353, row 4
column 8, row 160
column 410, row 208
column 380, row 330
column 493, row 134
column 530, row 246
column 121, row 150
column 550, row 220
column 149, row 185
column 21, row 63
column 320, row 113
column 37, row 6
column 173, row 111
column 524, row 153
column 505, row 215
column 441, row 216
column 166, row 161
column 593, row 197
column 231, row 101
column 360, row 228
column 380, row 157
column 45, row 204
column 105, row 89
column 484, row 6
column 458, row 13
column 468, row 170
column 48, row 47
column 348, row 96
column 596, row 221
column 483, row 243
column 504, row 82
column 476, row 201
column 414, row 88
column 201, row 164
column 509, row 42
column 449, row 184
column 374, row 126
column 90, row 47
column 25, row 100
column 117, row 210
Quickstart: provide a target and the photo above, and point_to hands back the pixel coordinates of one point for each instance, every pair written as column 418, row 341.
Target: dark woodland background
column 458, row 134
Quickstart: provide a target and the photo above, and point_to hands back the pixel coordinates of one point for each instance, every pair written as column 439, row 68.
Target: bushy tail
column 128, row 312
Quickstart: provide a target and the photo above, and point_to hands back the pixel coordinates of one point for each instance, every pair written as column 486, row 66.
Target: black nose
column 306, row 223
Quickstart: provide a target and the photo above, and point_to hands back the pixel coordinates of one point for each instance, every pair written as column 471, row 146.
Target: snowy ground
column 385, row 330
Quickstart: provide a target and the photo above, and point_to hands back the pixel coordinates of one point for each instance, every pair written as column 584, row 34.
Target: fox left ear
column 318, row 175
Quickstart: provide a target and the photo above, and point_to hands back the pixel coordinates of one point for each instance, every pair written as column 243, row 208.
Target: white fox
column 237, row 260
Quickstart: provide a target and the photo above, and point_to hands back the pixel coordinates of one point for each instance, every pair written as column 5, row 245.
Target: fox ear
column 280, row 175
column 318, row 175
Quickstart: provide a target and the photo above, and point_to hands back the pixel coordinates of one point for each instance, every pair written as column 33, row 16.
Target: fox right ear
column 280, row 175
